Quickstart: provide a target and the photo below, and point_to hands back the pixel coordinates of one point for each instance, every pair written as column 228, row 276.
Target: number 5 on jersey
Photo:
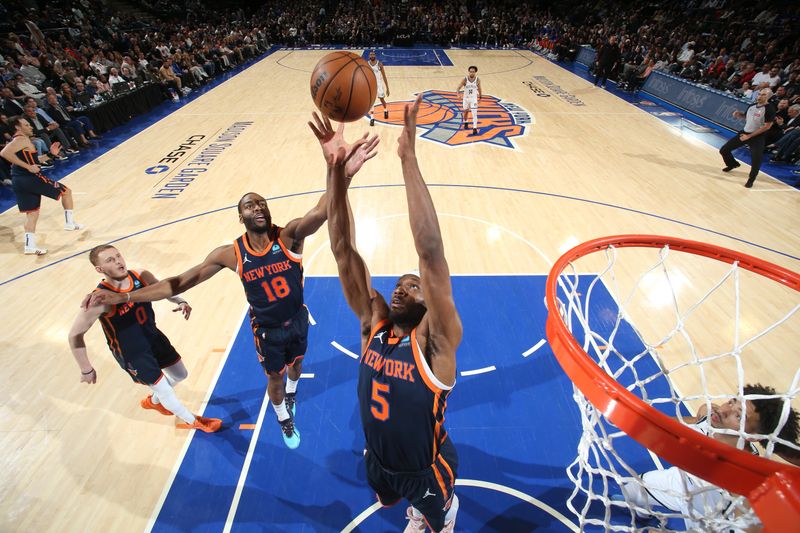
column 380, row 406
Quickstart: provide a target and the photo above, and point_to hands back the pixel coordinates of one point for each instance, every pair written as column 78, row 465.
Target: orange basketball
column 343, row 86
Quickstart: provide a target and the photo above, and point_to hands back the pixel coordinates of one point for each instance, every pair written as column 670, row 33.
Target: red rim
column 773, row 488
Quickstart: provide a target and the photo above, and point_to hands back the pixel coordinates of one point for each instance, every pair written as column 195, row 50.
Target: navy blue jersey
column 272, row 279
column 402, row 403
column 130, row 327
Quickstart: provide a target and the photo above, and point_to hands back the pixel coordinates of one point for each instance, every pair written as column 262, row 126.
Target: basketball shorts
column 144, row 363
column 430, row 490
column 282, row 346
column 29, row 189
column 470, row 103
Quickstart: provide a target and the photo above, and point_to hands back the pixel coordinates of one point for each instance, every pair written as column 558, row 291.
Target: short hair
column 14, row 121
column 473, row 67
column 97, row 250
column 769, row 416
column 795, row 107
column 239, row 205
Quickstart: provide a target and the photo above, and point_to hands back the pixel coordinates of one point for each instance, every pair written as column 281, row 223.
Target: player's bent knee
column 177, row 372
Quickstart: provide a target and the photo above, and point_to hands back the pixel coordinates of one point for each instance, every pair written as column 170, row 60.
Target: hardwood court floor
column 81, row 458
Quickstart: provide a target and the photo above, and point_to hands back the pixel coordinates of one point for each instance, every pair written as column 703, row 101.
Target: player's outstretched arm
column 357, row 154
column 480, row 91
column 352, row 270
column 83, row 322
column 183, row 305
column 443, row 322
column 220, row 258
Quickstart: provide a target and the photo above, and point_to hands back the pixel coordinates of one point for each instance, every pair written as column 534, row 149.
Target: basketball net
column 638, row 386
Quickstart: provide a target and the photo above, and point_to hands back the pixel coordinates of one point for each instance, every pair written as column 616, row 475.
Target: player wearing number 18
column 268, row 261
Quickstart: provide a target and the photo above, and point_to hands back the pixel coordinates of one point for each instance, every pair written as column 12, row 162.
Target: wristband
column 87, row 373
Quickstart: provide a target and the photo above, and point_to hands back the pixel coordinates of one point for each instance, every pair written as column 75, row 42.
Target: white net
column 687, row 335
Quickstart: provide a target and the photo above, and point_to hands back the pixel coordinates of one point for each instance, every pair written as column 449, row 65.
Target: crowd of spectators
column 81, row 52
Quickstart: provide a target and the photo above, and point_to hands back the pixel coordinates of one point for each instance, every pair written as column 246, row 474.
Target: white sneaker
column 35, row 251
column 415, row 524
column 74, row 226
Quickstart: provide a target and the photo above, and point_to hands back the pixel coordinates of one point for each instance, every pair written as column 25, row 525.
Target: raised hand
column 363, row 153
column 55, row 148
column 334, row 147
column 409, row 134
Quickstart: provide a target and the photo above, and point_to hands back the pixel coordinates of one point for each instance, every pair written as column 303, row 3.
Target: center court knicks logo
column 499, row 122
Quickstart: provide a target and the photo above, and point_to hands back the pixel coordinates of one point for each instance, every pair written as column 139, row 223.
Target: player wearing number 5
column 268, row 260
column 408, row 362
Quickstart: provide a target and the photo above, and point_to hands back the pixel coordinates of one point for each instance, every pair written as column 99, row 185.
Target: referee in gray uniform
column 758, row 121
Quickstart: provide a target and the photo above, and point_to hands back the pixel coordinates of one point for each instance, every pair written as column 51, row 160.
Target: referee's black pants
column 756, row 145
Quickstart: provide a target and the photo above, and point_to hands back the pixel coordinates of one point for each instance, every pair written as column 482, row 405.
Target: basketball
column 343, row 86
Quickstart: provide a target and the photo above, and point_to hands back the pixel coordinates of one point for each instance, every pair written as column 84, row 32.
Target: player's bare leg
column 475, row 120
column 465, row 114
column 385, row 108
column 275, row 390
column 292, row 378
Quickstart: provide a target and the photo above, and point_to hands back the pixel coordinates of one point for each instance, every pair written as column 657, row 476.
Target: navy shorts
column 144, row 365
column 282, row 346
column 29, row 189
column 430, row 490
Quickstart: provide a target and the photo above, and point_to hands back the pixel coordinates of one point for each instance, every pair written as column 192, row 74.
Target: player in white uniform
column 690, row 495
column 383, row 87
column 471, row 86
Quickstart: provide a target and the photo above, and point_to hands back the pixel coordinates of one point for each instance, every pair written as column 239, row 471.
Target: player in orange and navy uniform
column 30, row 184
column 140, row 348
column 408, row 362
column 268, row 260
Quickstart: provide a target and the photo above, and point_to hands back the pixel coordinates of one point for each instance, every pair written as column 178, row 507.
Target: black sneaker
column 731, row 167
column 291, row 437
column 475, row 131
column 466, row 126
column 385, row 114
column 372, row 122
column 750, row 183
column 291, row 400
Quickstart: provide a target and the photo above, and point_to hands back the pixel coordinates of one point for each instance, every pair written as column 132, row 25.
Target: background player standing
column 30, row 184
column 139, row 347
column 471, row 86
column 268, row 260
column 408, row 363
column 383, row 87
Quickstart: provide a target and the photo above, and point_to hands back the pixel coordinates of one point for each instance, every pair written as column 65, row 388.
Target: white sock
column 281, row 411
column 291, row 385
column 167, row 398
column 30, row 240
column 474, row 119
column 154, row 398
column 69, row 216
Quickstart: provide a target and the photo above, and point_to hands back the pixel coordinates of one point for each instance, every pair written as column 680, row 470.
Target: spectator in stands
column 26, row 88
column 11, row 105
column 81, row 125
column 169, row 78
column 787, row 148
column 46, row 130
column 28, row 68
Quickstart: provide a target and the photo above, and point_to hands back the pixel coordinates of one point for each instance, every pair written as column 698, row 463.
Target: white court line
column 535, row 347
column 311, row 317
column 246, row 466
column 478, row 371
column 306, row 376
column 775, row 190
column 157, row 509
column 482, row 485
column 343, row 350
